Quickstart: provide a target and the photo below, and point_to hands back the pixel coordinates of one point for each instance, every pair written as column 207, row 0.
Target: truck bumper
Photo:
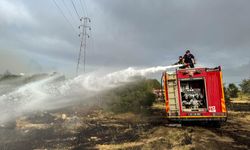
column 197, row 118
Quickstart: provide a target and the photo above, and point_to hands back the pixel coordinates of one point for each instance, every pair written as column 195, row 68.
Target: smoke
column 52, row 92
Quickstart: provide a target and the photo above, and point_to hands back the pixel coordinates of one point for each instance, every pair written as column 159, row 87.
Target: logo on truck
column 211, row 109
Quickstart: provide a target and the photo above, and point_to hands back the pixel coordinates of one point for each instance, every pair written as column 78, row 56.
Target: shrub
column 233, row 90
column 245, row 86
column 133, row 97
column 226, row 94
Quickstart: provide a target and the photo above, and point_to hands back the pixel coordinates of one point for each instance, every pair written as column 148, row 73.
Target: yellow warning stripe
column 223, row 104
column 196, row 116
column 166, row 92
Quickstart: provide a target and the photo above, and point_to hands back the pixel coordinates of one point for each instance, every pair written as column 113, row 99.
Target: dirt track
column 96, row 129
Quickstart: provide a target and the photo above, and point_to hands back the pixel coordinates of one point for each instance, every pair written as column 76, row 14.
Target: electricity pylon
column 84, row 27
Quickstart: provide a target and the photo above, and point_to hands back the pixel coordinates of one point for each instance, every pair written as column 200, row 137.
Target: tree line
column 232, row 91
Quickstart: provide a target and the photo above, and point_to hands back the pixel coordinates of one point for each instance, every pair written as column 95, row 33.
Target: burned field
column 93, row 128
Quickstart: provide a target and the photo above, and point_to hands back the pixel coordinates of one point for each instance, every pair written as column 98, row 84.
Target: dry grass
column 97, row 129
column 242, row 98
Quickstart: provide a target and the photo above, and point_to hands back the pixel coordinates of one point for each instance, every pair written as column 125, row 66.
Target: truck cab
column 194, row 94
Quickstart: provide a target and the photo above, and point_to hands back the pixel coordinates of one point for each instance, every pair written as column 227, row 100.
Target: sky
column 35, row 36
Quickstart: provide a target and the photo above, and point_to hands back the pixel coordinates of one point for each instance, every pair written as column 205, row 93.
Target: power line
column 69, row 10
column 75, row 9
column 92, row 40
column 61, row 11
column 83, row 9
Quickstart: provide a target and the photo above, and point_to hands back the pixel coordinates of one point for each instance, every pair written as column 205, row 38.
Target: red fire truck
column 194, row 94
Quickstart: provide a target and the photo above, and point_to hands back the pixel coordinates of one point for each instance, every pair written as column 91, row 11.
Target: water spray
column 49, row 93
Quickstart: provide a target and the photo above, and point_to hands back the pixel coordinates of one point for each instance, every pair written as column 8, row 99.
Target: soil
column 93, row 128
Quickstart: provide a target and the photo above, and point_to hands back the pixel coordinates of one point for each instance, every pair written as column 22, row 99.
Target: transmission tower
column 84, row 28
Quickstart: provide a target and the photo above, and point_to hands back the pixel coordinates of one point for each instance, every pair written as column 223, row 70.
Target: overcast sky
column 35, row 37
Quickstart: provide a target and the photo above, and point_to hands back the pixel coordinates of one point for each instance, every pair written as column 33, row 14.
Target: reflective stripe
column 223, row 104
column 166, row 92
column 196, row 116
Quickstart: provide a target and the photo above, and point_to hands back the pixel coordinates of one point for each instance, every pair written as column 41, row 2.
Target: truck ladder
column 173, row 95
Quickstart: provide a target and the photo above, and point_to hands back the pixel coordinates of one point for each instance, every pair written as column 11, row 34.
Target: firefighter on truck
column 188, row 60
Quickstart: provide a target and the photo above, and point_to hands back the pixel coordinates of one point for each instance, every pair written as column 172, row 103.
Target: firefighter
column 189, row 59
column 181, row 61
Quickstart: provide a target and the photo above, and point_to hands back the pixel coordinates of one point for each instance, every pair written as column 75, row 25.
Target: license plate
column 194, row 114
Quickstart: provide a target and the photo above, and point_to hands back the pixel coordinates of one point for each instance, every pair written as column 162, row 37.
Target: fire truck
column 194, row 94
